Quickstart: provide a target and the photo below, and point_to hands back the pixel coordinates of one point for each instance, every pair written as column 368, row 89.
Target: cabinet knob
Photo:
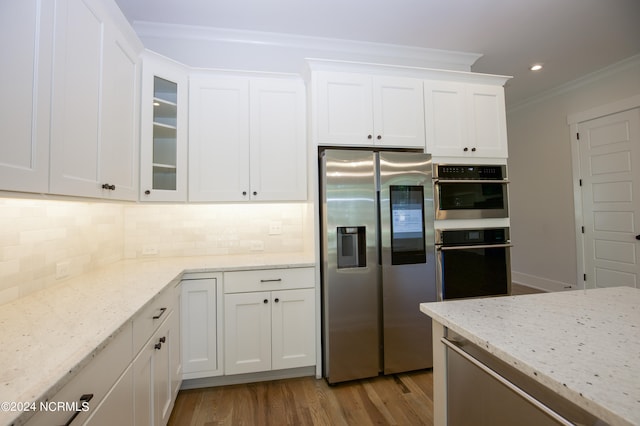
column 637, row 237
column 369, row 136
column 379, row 137
column 147, row 192
column 473, row 149
column 255, row 192
column 277, row 300
column 265, row 301
column 244, row 192
column 465, row 149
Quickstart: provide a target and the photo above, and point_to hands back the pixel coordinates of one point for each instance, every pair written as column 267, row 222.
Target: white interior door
column 610, row 164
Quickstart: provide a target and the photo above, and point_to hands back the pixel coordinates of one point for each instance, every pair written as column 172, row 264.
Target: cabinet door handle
column 83, row 399
column 147, row 192
column 369, row 136
column 244, row 192
column 163, row 339
column 473, row 149
column 277, row 300
column 109, row 187
column 162, row 310
column 157, row 346
column 379, row 137
column 465, row 149
column 265, row 301
column 274, row 280
column 255, row 192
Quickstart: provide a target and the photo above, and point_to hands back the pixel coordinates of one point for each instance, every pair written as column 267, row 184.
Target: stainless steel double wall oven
column 472, row 261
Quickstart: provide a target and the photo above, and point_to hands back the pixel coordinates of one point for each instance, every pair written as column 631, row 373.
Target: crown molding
column 404, row 55
column 590, row 78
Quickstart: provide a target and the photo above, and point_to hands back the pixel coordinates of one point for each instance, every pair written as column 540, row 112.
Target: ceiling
column 571, row 38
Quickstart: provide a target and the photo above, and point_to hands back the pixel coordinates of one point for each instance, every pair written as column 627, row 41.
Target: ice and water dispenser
column 352, row 247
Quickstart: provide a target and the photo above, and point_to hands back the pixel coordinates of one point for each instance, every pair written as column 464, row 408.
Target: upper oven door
column 472, row 193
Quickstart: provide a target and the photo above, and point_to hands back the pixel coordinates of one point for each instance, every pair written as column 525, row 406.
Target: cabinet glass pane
column 165, row 94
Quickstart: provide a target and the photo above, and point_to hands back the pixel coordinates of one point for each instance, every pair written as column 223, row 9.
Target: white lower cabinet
column 157, row 370
column 134, row 379
column 201, row 325
column 271, row 329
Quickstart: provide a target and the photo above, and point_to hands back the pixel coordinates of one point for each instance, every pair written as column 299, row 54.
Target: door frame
column 574, row 120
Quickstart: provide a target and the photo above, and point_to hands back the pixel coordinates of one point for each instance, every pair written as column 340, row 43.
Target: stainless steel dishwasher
column 484, row 391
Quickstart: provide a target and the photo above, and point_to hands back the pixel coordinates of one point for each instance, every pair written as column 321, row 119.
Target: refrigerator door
column 408, row 259
column 350, row 270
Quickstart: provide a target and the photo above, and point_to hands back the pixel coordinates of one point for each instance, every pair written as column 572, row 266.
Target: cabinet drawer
column 95, row 379
column 268, row 279
column 151, row 316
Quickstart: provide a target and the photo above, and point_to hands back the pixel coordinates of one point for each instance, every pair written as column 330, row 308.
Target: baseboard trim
column 540, row 283
column 235, row 379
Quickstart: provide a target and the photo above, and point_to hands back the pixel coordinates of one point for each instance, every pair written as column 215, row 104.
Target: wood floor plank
column 402, row 399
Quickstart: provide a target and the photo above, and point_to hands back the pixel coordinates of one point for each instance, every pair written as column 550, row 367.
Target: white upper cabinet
column 94, row 115
column 26, row 28
column 365, row 110
column 465, row 120
column 246, row 139
column 164, row 117
column 278, row 140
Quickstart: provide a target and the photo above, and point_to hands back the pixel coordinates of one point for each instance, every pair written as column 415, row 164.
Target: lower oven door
column 474, row 271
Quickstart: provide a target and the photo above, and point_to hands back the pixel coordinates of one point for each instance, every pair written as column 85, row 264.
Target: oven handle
column 479, row 246
column 436, row 181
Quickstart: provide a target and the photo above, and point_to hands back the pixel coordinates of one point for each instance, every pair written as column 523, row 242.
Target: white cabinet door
column 75, row 138
column 487, row 120
column 247, row 343
column 344, row 109
column 201, row 327
column 163, row 370
column 117, row 406
column 164, row 129
column 465, row 120
column 218, row 139
column 143, row 386
column 445, row 116
column 398, row 112
column 293, row 328
column 119, row 137
column 278, row 159
column 26, row 28
column 94, row 105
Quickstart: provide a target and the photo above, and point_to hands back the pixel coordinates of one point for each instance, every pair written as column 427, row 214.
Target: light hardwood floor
column 400, row 399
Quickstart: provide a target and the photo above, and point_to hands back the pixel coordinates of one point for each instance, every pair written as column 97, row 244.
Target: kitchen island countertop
column 583, row 345
column 50, row 335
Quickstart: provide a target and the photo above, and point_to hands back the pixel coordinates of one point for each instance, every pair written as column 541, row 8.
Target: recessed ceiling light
column 536, row 67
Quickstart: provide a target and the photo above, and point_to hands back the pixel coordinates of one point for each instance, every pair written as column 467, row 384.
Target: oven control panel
column 470, row 172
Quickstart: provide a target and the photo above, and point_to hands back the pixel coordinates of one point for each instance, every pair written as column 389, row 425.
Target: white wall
column 541, row 192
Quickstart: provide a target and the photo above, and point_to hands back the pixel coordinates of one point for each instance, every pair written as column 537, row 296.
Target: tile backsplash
column 40, row 239
column 216, row 229
column 43, row 242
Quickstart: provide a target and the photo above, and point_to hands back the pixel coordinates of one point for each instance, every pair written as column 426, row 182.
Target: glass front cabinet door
column 164, row 130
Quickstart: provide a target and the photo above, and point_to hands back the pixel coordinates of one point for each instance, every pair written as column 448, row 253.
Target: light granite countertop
column 583, row 345
column 48, row 336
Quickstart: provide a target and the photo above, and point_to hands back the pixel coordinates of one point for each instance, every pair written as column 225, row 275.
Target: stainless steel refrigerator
column 378, row 262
